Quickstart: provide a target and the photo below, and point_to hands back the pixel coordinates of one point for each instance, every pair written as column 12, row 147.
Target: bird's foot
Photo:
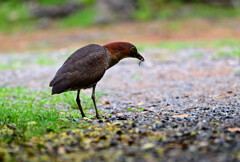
column 98, row 116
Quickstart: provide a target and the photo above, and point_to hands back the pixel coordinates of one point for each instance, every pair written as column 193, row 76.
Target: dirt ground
column 189, row 105
column 137, row 32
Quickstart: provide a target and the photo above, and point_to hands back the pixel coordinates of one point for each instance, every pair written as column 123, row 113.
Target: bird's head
column 120, row 50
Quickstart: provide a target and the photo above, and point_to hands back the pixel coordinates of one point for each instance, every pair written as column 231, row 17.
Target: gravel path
column 189, row 104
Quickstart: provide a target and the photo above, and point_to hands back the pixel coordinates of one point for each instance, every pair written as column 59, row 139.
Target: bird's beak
column 138, row 56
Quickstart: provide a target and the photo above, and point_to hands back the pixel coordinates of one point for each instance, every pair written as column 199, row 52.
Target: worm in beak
column 138, row 56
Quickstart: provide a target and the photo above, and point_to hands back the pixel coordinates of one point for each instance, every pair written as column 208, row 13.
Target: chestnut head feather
column 120, row 50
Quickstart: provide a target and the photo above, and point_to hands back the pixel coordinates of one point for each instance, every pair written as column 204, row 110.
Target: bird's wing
column 82, row 69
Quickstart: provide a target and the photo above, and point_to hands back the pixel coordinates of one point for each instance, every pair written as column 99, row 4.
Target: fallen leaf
column 30, row 144
column 95, row 140
column 234, row 85
column 221, row 95
column 147, row 146
column 61, row 150
column 203, row 144
column 120, row 114
column 85, row 118
column 32, row 123
column 229, row 92
column 144, row 112
column 236, row 129
column 140, row 103
column 180, row 115
column 107, row 102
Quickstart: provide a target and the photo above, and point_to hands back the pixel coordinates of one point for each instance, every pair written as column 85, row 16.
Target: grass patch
column 86, row 101
column 212, row 12
column 44, row 61
column 82, row 18
column 177, row 45
column 52, row 2
column 170, row 45
column 23, row 63
column 231, row 53
column 12, row 64
column 197, row 55
column 164, row 11
column 135, row 110
column 14, row 16
column 26, row 113
column 59, row 2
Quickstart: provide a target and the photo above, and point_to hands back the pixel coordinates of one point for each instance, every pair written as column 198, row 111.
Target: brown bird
column 85, row 67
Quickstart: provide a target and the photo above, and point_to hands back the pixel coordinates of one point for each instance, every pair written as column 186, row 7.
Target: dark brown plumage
column 85, row 67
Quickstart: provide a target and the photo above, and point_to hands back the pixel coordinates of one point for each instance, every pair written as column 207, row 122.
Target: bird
column 87, row 65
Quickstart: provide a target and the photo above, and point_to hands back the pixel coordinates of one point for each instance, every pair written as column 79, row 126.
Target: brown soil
column 136, row 32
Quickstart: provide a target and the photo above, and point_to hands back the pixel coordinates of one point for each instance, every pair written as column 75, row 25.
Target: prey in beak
column 135, row 54
column 140, row 58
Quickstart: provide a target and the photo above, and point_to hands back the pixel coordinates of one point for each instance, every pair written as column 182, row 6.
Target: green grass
column 134, row 109
column 15, row 16
column 41, row 59
column 231, row 53
column 26, row 113
column 58, row 2
column 148, row 10
column 82, row 18
column 177, row 45
column 70, row 99
column 12, row 64
column 212, row 12
column 219, row 46
column 52, row 2
column 24, row 63
column 144, row 12
column 197, row 55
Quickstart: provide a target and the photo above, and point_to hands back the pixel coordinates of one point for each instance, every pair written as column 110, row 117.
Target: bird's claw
column 98, row 117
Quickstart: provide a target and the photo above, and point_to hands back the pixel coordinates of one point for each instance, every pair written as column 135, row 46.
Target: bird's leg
column 93, row 98
column 79, row 103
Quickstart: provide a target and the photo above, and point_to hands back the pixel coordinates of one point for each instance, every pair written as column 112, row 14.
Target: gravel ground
column 190, row 105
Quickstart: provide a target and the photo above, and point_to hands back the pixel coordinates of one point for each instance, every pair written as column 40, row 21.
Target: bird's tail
column 59, row 88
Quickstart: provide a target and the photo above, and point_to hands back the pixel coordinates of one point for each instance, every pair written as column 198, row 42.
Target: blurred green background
column 28, row 15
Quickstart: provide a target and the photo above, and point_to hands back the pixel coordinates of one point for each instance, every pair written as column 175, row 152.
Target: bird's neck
column 116, row 51
column 112, row 58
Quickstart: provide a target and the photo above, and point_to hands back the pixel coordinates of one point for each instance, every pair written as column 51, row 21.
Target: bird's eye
column 133, row 50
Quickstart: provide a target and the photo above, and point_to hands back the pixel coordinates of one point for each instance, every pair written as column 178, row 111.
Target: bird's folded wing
column 82, row 69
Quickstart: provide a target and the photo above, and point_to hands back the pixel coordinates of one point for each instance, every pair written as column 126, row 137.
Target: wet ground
column 177, row 106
